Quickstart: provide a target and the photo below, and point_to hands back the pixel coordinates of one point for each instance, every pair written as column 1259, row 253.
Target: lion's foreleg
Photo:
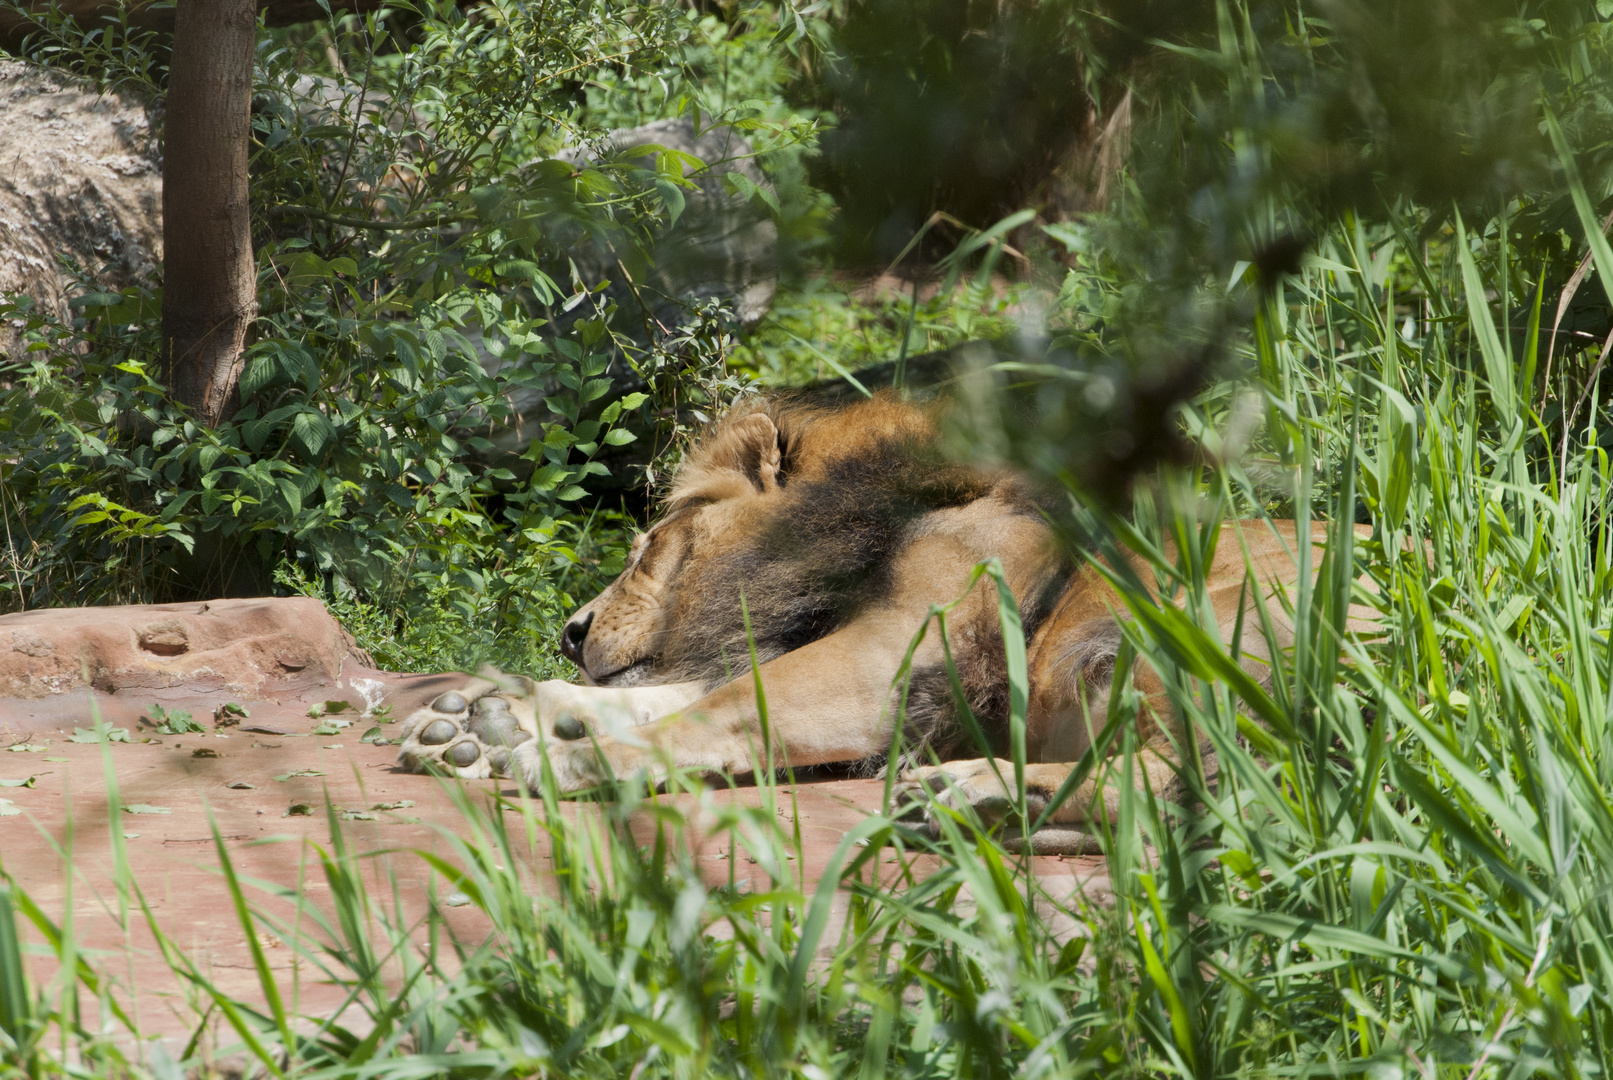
column 1095, row 800
column 479, row 729
column 825, row 702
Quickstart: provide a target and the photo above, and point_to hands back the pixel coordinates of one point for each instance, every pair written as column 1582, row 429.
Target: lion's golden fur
column 816, row 505
column 824, row 538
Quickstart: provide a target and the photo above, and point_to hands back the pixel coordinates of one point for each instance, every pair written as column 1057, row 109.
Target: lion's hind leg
column 934, row 790
column 470, row 732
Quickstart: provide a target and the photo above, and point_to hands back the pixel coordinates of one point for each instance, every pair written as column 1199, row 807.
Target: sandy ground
column 264, row 782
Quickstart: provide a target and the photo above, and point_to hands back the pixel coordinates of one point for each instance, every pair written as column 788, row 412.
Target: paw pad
column 465, row 735
column 463, row 754
column 438, row 732
column 450, row 702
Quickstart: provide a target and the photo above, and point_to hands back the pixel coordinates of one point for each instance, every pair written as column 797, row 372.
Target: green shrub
column 415, row 239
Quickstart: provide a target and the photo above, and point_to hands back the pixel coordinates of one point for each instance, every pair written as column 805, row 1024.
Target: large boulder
column 722, row 247
column 251, row 647
column 16, row 24
column 81, row 178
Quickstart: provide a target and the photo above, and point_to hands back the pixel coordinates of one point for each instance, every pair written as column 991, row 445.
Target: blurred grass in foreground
column 1401, row 863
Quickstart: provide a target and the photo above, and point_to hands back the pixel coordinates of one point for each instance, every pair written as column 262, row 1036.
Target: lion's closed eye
column 663, row 551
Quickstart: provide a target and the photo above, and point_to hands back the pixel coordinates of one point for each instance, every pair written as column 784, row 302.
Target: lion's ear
column 752, row 448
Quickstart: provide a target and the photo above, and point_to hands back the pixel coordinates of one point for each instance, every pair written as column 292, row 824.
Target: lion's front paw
column 470, row 732
column 576, row 766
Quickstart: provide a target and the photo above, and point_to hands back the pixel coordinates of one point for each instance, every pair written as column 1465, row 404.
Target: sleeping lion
column 838, row 529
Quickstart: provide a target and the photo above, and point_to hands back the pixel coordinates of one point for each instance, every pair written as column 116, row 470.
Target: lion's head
column 793, row 510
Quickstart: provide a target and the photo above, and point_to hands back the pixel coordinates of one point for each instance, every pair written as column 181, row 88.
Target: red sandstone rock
column 246, row 647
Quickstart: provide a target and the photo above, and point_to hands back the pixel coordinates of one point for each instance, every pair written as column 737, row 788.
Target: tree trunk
column 209, row 295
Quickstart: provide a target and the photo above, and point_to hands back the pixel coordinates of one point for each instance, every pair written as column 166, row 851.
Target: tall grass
column 1402, row 863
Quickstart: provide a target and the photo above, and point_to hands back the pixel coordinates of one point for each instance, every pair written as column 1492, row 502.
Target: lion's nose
column 572, row 637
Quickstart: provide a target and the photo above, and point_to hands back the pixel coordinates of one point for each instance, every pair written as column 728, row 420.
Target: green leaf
column 488, row 200
column 671, row 198
column 100, row 734
column 1317, row 934
column 313, row 431
column 1601, row 252
column 1497, row 361
column 739, row 184
column 292, row 494
column 1181, row 1020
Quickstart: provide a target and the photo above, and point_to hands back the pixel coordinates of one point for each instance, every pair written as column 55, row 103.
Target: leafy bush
column 415, row 238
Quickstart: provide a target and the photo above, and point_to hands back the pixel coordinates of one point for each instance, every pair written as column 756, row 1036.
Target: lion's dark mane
column 825, row 551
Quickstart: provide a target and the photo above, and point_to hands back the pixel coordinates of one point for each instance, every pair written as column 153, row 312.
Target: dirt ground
column 263, row 781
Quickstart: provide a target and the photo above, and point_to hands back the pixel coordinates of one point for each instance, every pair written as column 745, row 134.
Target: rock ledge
column 253, row 647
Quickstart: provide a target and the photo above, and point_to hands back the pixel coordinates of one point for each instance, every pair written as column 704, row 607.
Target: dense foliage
column 432, row 277
column 1355, row 271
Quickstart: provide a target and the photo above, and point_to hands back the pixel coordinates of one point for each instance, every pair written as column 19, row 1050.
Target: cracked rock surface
column 81, row 177
column 248, row 646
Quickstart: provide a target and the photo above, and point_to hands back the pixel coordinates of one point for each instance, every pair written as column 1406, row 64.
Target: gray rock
column 80, row 176
column 723, row 246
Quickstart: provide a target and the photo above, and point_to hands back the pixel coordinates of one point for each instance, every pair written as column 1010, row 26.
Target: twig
column 427, row 222
column 1563, row 301
column 1506, row 1018
column 1569, row 418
